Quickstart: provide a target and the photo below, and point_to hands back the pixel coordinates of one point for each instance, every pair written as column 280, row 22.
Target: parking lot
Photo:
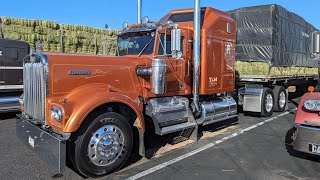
column 243, row 148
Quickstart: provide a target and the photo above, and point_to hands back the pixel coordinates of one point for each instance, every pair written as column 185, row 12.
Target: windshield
column 136, row 43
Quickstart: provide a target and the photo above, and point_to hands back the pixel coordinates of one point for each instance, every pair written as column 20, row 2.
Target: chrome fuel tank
column 217, row 109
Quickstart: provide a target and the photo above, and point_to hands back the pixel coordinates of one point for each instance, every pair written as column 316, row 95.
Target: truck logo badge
column 213, row 81
column 76, row 72
column 0, row 53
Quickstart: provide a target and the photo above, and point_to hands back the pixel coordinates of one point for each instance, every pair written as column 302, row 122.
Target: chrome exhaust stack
column 196, row 56
column 139, row 11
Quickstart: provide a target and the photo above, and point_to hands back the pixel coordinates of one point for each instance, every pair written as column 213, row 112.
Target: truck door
column 2, row 69
column 178, row 77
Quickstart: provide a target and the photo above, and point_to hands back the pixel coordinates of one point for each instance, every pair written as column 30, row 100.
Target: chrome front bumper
column 304, row 136
column 48, row 147
column 9, row 104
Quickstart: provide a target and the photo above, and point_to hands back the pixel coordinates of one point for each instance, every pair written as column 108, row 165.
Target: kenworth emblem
column 75, row 72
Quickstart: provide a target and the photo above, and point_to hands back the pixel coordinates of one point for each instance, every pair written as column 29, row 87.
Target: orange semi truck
column 175, row 75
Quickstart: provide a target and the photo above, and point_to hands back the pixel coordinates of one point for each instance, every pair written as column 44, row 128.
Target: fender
column 83, row 100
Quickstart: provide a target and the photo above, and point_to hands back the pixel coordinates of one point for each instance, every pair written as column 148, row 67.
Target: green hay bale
column 77, row 38
column 45, row 30
column 261, row 68
column 18, row 29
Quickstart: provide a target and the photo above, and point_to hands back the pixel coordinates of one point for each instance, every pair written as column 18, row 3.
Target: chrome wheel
column 282, row 99
column 106, row 145
column 269, row 103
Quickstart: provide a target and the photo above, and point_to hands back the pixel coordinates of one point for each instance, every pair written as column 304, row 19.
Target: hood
column 69, row 72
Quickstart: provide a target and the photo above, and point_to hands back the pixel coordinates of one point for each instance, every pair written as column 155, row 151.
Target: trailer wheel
column 267, row 102
column 280, row 98
column 103, row 145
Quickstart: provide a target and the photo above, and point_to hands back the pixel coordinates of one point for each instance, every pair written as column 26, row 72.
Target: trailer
column 273, row 57
column 12, row 53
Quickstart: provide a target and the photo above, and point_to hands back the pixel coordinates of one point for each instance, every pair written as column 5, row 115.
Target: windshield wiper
column 145, row 47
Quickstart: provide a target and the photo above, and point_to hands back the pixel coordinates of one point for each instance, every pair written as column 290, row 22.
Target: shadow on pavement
column 154, row 142
column 4, row 116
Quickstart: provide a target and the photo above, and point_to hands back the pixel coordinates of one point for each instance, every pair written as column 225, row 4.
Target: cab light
column 131, row 26
column 138, row 25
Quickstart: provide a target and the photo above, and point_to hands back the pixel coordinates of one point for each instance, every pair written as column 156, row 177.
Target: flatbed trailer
column 275, row 80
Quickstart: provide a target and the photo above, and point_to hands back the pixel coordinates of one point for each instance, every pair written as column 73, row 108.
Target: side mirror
column 315, row 45
column 176, row 43
column 315, row 42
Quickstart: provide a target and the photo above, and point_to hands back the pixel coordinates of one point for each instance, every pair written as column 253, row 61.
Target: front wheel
column 267, row 102
column 103, row 145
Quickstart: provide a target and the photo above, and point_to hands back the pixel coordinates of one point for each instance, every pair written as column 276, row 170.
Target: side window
column 164, row 45
column 167, row 45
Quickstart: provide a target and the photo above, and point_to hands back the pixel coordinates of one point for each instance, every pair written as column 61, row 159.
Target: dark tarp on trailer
column 271, row 34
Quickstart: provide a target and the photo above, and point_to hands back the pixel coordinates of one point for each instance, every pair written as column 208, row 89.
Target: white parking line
column 209, row 145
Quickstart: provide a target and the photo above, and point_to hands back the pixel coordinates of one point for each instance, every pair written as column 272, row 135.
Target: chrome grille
column 35, row 88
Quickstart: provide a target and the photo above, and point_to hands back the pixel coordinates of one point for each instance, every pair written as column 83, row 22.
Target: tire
column 102, row 145
column 280, row 99
column 267, row 102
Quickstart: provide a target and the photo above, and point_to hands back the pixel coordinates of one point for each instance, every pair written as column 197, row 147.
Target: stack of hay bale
column 263, row 69
column 59, row 37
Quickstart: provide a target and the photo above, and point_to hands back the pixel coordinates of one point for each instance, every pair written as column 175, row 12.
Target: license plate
column 314, row 148
column 31, row 141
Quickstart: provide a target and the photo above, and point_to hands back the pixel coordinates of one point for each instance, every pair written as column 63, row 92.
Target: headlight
column 312, row 105
column 56, row 113
column 21, row 100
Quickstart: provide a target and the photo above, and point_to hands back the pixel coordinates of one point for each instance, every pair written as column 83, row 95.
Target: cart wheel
column 267, row 102
column 280, row 98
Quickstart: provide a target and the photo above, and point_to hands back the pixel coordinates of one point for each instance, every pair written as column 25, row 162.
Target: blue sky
column 96, row 13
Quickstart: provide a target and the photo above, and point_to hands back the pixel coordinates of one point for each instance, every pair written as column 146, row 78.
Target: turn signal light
column 311, row 89
column 138, row 25
column 131, row 26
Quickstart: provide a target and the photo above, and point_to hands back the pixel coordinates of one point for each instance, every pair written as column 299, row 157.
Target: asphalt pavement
column 244, row 148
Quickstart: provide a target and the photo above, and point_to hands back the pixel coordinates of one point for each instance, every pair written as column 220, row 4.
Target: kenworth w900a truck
column 177, row 74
